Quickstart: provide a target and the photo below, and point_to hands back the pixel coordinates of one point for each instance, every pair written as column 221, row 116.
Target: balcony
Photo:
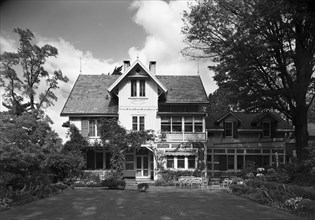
column 186, row 136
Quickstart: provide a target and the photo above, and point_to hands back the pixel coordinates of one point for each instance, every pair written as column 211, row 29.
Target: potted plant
column 142, row 187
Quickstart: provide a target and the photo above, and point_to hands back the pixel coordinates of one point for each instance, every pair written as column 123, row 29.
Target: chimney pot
column 152, row 66
column 126, row 65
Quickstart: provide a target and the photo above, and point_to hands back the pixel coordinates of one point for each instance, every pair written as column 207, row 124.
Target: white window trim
column 138, row 89
column 138, row 122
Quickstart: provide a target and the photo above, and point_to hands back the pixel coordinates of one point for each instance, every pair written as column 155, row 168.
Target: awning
column 180, row 153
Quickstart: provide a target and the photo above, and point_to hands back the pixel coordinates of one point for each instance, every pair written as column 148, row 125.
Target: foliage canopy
column 262, row 51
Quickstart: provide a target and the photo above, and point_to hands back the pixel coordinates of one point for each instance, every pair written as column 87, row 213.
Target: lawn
column 156, row 203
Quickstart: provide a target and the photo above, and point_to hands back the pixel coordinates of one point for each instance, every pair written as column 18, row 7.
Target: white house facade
column 141, row 99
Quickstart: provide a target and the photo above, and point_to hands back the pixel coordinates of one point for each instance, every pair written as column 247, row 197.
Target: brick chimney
column 152, row 66
column 126, row 65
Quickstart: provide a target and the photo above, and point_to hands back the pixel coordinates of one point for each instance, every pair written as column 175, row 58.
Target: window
column 165, row 123
column 181, row 162
column 138, row 123
column 228, row 129
column 142, row 88
column 188, row 124
column 266, row 129
column 230, row 162
column 177, row 124
column 137, row 88
column 170, row 162
column 92, row 128
column 133, row 88
column 99, row 160
column 198, row 124
column 191, row 162
column 180, row 124
column 129, row 161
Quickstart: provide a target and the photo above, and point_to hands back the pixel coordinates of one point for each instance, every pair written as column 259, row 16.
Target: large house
column 237, row 137
column 141, row 100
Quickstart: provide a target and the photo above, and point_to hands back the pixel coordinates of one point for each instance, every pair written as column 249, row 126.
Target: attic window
column 266, row 126
column 228, row 129
column 138, row 70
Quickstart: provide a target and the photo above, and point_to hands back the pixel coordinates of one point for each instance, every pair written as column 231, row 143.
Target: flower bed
column 300, row 200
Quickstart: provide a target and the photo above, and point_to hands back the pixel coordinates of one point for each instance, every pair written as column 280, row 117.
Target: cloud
column 7, row 45
column 162, row 22
column 68, row 61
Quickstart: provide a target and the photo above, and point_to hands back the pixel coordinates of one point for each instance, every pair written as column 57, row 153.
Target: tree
column 25, row 143
column 117, row 140
column 117, row 71
column 222, row 100
column 21, row 73
column 263, row 52
column 77, row 142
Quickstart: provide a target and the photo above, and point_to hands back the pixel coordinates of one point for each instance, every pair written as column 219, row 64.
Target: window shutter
column 235, row 134
column 223, row 135
column 84, row 127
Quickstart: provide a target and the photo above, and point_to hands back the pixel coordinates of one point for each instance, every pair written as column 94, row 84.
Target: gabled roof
column 137, row 62
column 183, row 89
column 261, row 116
column 246, row 120
column 226, row 115
column 89, row 95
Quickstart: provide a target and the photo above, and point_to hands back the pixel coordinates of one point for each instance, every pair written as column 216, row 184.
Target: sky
column 102, row 34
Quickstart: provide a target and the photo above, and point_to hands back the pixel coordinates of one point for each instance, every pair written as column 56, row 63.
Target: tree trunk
column 301, row 133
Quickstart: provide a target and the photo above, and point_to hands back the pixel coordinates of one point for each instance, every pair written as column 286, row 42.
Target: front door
column 143, row 166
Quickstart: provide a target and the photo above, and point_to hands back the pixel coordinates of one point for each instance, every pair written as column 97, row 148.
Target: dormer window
column 228, row 129
column 266, row 126
column 137, row 88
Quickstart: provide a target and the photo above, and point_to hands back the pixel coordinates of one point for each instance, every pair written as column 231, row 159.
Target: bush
column 114, row 183
column 169, row 176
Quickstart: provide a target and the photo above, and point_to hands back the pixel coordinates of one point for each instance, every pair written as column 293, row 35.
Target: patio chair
column 196, row 181
column 205, row 183
column 215, row 182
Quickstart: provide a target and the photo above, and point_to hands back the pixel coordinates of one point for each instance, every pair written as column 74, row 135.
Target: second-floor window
column 266, row 129
column 179, row 124
column 228, row 129
column 138, row 123
column 94, row 128
column 137, row 88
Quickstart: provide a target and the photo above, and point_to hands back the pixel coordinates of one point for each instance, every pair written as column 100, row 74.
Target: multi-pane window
column 92, row 127
column 142, row 88
column 179, row 124
column 133, row 88
column 188, row 124
column 266, row 129
column 180, row 162
column 198, row 124
column 138, row 123
column 228, row 129
column 170, row 162
column 137, row 88
column 165, row 123
column 176, row 124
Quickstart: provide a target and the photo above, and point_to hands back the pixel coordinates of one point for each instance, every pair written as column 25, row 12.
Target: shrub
column 142, row 187
column 114, row 183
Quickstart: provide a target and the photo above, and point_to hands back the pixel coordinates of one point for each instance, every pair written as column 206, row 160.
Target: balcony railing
column 186, row 136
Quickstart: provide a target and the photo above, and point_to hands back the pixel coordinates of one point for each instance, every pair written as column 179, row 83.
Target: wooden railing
column 185, row 136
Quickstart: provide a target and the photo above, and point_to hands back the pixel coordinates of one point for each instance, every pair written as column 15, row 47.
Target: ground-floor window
column 96, row 160
column 181, row 162
column 234, row 159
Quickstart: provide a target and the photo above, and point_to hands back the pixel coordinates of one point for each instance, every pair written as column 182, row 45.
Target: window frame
column 225, row 128
column 263, row 128
column 138, row 123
